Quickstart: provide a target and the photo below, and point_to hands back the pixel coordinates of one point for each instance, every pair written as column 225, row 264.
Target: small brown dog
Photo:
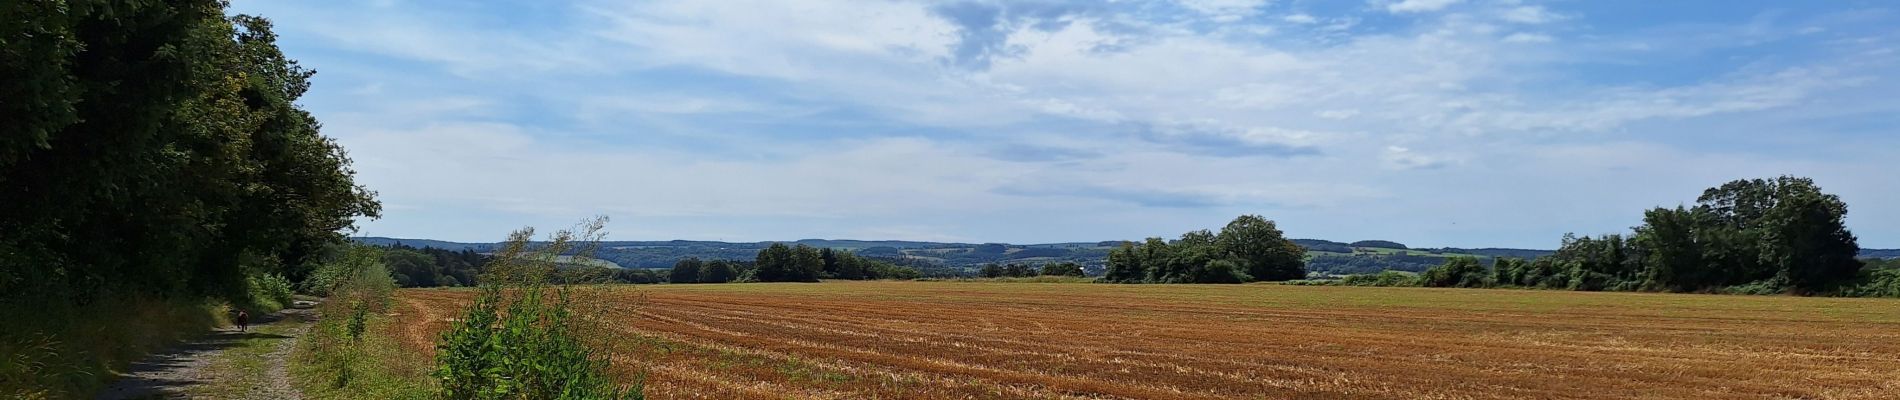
column 243, row 321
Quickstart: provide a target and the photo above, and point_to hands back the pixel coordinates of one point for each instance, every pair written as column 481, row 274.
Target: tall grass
column 68, row 351
column 343, row 356
column 535, row 330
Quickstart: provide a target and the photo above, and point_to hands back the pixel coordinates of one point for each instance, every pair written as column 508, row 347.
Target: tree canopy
column 156, row 148
column 1247, row 249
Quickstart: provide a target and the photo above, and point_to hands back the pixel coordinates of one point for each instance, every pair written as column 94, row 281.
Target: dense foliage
column 1756, row 236
column 1019, row 270
column 1782, row 234
column 154, row 166
column 801, row 263
column 432, row 267
column 155, row 148
column 525, row 336
column 1370, row 264
column 1456, row 272
column 1247, row 249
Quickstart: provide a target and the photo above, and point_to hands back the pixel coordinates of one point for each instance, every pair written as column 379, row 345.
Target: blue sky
column 1429, row 122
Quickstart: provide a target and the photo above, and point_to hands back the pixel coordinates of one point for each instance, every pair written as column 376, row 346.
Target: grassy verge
column 73, row 351
column 328, row 364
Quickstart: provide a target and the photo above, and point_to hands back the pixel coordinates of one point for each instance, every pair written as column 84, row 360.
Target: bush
column 1462, row 272
column 68, row 351
column 358, row 286
column 268, row 293
column 1761, row 287
column 1384, row 278
column 524, row 338
column 1875, row 283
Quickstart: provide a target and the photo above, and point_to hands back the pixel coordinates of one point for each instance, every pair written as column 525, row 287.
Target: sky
column 1468, row 123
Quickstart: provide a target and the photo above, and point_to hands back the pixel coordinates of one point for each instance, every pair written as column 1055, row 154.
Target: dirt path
column 226, row 364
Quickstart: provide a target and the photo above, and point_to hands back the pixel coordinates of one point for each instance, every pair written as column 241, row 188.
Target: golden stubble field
column 961, row 340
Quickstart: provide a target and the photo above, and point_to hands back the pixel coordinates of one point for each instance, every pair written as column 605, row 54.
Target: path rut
column 196, row 369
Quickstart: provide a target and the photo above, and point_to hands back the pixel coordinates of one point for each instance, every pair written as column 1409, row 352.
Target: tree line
column 1781, row 235
column 431, row 267
column 1248, row 249
column 153, row 160
column 156, row 148
column 780, row 263
column 1018, row 270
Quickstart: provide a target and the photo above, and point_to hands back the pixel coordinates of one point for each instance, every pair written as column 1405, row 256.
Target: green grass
column 245, row 364
column 73, row 351
column 327, row 365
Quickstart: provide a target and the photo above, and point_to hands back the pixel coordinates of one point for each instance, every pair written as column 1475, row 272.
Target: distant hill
column 1324, row 256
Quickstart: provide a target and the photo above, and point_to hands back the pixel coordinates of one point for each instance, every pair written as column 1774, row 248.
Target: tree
column 1672, row 253
column 1061, row 269
column 850, row 266
column 1806, row 239
column 156, row 148
column 1225, row 270
column 1784, row 230
column 1124, row 265
column 411, row 268
column 1017, row 270
column 829, row 259
column 718, row 271
column 991, row 270
column 774, row 263
column 1461, row 272
column 1157, row 256
column 806, row 265
column 1508, row 271
column 1263, row 249
column 687, row 270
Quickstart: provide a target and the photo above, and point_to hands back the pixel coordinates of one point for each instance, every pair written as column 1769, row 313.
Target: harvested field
column 959, row 340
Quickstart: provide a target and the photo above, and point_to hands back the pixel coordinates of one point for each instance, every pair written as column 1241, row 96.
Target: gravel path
column 197, row 369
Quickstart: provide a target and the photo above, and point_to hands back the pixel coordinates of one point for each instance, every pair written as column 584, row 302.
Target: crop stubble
column 952, row 340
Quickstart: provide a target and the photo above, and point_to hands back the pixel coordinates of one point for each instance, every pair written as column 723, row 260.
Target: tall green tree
column 1805, row 239
column 1263, row 249
column 687, row 270
column 1124, row 265
column 718, row 271
column 774, row 263
column 1460, row 272
column 1674, row 256
column 806, row 265
column 156, row 148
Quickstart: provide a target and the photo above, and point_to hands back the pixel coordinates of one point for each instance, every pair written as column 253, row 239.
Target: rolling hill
column 1323, row 256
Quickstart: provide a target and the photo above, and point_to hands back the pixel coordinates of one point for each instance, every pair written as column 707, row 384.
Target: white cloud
column 1521, row 37
column 1337, row 114
column 1528, row 15
column 1144, row 107
column 1419, row 6
column 1402, row 158
column 1225, row 10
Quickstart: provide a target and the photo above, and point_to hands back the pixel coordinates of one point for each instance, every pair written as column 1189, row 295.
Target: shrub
column 1463, row 272
column 1383, row 278
column 1875, row 283
column 1761, row 287
column 268, row 292
column 524, row 338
